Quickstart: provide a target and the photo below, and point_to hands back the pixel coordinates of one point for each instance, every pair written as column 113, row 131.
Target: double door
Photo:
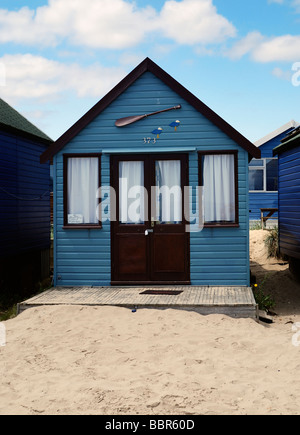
column 149, row 239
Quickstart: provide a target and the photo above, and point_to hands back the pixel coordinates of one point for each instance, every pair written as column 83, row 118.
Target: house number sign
column 150, row 140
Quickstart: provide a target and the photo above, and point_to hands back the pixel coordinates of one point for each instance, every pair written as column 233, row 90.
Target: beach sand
column 108, row 360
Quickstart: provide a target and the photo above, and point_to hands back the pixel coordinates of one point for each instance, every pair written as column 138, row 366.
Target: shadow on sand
column 277, row 281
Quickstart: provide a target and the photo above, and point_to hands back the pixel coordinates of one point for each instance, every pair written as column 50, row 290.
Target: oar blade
column 128, row 120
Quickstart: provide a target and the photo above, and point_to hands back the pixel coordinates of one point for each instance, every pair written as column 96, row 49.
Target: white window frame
column 264, row 169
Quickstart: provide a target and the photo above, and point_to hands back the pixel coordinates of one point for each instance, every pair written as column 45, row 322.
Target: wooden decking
column 231, row 301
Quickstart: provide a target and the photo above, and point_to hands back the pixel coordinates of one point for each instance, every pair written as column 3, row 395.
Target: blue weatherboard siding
column 262, row 200
column 24, row 196
column 258, row 200
column 219, row 256
column 289, row 202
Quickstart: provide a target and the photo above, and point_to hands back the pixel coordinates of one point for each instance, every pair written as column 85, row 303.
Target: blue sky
column 59, row 57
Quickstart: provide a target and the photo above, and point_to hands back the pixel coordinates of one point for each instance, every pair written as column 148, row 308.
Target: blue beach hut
column 24, row 203
column 135, row 229
column 263, row 175
column 288, row 153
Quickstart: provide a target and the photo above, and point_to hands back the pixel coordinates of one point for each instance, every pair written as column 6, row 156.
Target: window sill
column 82, row 227
column 263, row 191
column 221, row 225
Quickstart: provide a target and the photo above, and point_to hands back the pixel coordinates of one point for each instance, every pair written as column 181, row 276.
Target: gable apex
column 145, row 66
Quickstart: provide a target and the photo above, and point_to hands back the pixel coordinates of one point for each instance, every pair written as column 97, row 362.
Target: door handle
column 147, row 232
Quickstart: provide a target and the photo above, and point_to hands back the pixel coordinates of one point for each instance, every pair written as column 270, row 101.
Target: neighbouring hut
column 24, row 203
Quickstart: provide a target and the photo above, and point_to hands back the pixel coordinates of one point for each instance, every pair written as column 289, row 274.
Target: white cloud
column 281, row 74
column 35, row 77
column 114, row 24
column 245, row 45
column 193, row 22
column 296, row 4
column 21, row 27
column 285, row 48
column 110, row 24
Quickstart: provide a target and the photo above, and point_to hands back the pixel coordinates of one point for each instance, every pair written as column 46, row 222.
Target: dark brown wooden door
column 149, row 239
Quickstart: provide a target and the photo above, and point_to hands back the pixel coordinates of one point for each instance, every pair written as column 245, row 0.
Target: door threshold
column 148, row 283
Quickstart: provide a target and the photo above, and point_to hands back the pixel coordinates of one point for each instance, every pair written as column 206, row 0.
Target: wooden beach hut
column 24, row 203
column 263, row 176
column 128, row 233
column 288, row 153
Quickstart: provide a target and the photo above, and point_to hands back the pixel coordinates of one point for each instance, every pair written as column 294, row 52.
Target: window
column 272, row 175
column 131, row 192
column 263, row 175
column 168, row 192
column 219, row 178
column 81, row 183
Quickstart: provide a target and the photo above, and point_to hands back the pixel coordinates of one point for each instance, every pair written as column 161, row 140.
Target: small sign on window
column 75, row 219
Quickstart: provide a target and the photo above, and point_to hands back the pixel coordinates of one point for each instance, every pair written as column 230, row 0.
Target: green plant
column 271, row 243
column 9, row 313
column 255, row 226
column 9, row 300
column 265, row 302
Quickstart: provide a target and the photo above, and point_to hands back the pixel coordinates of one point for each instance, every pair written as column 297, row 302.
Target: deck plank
column 237, row 301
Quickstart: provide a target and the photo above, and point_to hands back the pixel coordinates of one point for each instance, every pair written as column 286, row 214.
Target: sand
column 278, row 281
column 108, row 360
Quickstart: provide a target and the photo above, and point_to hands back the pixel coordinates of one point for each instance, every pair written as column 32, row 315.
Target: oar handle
column 165, row 110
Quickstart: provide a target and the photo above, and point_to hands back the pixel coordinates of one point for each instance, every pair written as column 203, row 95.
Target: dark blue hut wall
column 258, row 200
column 218, row 256
column 24, row 196
column 289, row 202
column 8, row 202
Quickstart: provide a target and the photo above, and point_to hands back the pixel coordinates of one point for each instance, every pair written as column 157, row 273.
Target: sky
column 240, row 57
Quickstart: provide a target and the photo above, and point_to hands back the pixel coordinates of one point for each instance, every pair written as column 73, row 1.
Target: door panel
column 150, row 245
column 168, row 254
column 132, row 255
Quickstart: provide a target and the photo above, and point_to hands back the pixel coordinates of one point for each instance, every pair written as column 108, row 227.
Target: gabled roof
column 291, row 141
column 277, row 132
column 13, row 122
column 149, row 65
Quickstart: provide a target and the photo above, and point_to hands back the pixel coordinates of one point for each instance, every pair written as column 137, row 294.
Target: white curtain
column 131, row 192
column 219, row 188
column 168, row 191
column 83, row 180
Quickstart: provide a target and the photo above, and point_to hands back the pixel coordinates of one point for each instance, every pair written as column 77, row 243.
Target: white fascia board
column 270, row 136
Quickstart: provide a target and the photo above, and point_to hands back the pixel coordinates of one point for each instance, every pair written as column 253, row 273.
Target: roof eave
column 273, row 134
column 26, row 135
column 287, row 146
column 149, row 65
